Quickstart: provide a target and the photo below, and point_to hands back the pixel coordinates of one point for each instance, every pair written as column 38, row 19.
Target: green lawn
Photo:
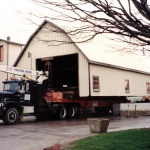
column 136, row 139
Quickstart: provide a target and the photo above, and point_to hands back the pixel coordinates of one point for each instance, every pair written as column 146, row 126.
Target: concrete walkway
column 124, row 123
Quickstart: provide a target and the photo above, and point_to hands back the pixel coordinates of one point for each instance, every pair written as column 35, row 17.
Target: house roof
column 91, row 60
column 104, row 56
column 33, row 35
column 11, row 42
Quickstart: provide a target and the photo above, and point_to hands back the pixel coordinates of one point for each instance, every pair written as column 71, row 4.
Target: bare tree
column 128, row 19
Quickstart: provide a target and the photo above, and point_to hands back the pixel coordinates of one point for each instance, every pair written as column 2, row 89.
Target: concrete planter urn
column 98, row 125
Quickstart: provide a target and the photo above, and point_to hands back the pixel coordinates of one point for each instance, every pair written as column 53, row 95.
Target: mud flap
column 49, row 106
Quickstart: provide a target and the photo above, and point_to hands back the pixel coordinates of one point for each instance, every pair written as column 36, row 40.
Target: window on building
column 1, row 53
column 148, row 87
column 96, row 87
column 127, row 87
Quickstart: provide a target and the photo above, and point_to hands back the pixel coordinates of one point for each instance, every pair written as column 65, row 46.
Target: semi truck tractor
column 19, row 97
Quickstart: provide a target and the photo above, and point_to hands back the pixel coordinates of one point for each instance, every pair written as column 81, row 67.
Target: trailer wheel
column 11, row 116
column 62, row 113
column 72, row 112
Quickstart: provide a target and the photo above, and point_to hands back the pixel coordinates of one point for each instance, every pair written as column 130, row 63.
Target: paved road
column 33, row 135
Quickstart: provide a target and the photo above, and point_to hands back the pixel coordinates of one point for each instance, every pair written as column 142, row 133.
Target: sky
column 14, row 16
column 13, row 23
column 19, row 29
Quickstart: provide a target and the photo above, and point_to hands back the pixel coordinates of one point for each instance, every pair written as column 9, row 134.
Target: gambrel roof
column 90, row 61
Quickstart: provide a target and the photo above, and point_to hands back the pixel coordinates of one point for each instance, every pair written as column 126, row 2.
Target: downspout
column 8, row 39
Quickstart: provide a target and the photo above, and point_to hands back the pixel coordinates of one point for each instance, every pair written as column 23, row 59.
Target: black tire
column 62, row 114
column 10, row 116
column 72, row 112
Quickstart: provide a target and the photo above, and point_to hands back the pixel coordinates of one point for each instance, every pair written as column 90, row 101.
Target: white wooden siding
column 83, row 76
column 112, row 82
column 40, row 49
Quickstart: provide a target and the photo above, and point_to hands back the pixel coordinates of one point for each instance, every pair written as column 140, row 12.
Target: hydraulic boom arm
column 21, row 72
column 18, row 71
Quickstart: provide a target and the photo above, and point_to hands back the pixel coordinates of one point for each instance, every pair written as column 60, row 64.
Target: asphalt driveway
column 33, row 135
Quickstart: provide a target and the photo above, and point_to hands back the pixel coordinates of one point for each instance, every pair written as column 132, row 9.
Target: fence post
column 135, row 116
column 128, row 115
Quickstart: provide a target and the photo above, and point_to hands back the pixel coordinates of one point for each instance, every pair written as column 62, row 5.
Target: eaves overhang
column 10, row 42
column 117, row 67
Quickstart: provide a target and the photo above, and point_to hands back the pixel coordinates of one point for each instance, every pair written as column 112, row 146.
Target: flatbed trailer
column 65, row 108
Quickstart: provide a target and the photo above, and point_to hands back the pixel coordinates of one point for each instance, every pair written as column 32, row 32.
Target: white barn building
column 70, row 69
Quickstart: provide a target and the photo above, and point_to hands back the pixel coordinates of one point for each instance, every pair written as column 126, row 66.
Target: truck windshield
column 11, row 86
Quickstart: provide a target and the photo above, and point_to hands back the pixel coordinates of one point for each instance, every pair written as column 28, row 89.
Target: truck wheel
column 10, row 116
column 62, row 113
column 72, row 112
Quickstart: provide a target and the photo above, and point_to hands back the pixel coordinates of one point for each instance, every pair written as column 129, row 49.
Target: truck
column 27, row 96
column 19, row 95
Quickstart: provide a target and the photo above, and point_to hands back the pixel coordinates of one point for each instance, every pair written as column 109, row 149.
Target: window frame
column 148, row 87
column 127, row 86
column 1, row 53
column 96, row 83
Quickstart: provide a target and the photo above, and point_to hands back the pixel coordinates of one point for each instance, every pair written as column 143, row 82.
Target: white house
column 9, row 52
column 70, row 69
